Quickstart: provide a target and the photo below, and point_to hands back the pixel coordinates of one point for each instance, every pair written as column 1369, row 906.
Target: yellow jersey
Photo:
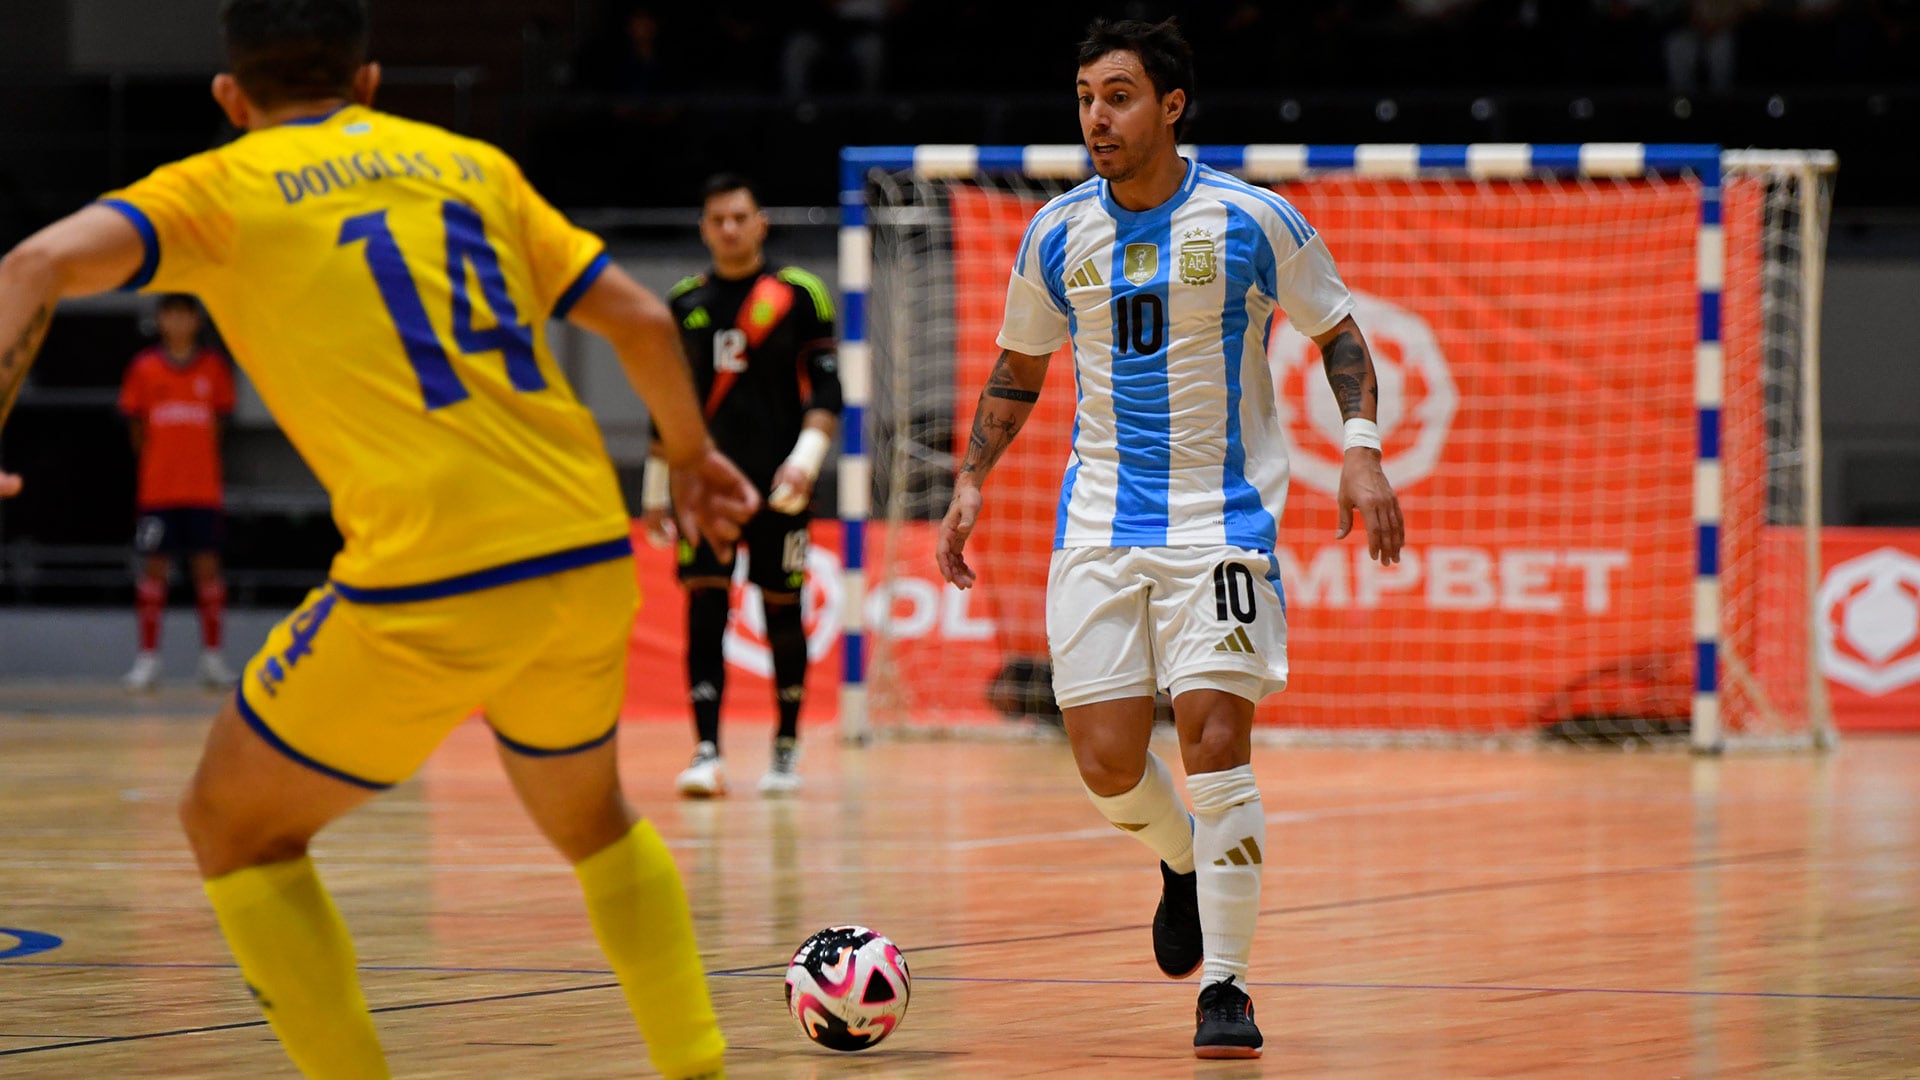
column 386, row 285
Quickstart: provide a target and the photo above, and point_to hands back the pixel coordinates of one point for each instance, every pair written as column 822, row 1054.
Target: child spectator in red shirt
column 175, row 395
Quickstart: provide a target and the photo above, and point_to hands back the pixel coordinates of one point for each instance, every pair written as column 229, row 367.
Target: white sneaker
column 783, row 772
column 215, row 673
column 706, row 778
column 145, row 671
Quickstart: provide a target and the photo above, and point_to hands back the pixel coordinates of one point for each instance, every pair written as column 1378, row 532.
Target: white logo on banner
column 908, row 607
column 1416, row 389
column 1871, row 606
column 746, row 641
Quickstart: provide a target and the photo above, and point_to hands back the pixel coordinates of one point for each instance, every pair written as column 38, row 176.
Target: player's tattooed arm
column 17, row 355
column 1364, row 490
column 1008, row 399
column 1005, row 403
column 89, row 251
column 1350, row 371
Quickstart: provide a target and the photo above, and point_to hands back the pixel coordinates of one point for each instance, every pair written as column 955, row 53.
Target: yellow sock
column 639, row 912
column 298, row 960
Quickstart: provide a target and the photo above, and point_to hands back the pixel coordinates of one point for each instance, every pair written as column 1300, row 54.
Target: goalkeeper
column 761, row 342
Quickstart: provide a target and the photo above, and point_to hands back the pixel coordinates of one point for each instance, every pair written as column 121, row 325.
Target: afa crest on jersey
column 1197, row 258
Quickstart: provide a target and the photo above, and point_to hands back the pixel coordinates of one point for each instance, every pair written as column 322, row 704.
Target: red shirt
column 181, row 404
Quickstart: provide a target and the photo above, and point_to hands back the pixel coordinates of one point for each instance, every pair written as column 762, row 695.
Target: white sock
column 1229, row 839
column 1153, row 813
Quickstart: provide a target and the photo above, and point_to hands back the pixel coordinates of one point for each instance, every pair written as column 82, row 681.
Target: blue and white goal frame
column 1273, row 162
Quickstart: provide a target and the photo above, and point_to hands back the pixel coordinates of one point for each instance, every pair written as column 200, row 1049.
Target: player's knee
column 208, row 831
column 589, row 829
column 1214, row 748
column 224, row 840
column 1109, row 768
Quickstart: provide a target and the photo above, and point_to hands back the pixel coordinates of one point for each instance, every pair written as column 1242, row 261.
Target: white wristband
column 655, row 492
column 809, row 452
column 1361, row 432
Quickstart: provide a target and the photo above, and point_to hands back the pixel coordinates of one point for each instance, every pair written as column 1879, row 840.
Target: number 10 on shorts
column 1233, row 592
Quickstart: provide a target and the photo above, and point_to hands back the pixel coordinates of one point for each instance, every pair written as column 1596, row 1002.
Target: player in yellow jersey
column 387, row 286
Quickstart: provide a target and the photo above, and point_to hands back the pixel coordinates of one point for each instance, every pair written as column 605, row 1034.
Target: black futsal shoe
column 1224, row 1026
column 1177, row 946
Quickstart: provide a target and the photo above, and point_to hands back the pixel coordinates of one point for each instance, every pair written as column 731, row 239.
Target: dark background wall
column 613, row 105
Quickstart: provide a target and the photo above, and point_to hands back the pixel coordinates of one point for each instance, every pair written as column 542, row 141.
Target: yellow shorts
column 364, row 691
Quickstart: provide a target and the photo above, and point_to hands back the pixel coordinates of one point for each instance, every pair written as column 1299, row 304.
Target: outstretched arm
column 90, row 251
column 1363, row 484
column 1004, row 406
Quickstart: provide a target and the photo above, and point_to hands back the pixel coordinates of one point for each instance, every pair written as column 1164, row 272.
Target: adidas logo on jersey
column 1238, row 641
column 1086, row 277
column 697, row 319
column 1245, row 853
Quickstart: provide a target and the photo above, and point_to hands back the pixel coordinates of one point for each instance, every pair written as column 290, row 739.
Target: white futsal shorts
column 1125, row 622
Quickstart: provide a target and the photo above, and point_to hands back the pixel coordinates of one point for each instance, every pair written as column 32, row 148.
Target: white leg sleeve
column 1229, row 838
column 1154, row 814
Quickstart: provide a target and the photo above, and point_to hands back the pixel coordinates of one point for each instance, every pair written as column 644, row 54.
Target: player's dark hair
column 1163, row 51
column 727, row 183
column 178, row 301
column 294, row 50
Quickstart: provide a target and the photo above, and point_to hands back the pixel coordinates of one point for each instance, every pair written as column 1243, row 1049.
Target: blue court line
column 431, row 969
column 202, row 1030
column 761, row 972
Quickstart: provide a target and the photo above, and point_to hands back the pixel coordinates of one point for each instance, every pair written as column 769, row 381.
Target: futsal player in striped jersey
column 387, row 286
column 1163, row 274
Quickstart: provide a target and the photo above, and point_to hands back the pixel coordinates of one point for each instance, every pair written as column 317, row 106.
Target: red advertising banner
column 1867, row 627
column 1867, row 624
column 928, row 625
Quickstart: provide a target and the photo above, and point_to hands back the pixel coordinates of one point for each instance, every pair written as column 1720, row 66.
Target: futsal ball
column 847, row 987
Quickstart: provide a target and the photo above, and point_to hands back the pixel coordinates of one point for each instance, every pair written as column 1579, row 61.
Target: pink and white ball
column 847, row 987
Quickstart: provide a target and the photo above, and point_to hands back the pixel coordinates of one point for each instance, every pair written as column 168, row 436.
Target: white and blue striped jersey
column 1176, row 439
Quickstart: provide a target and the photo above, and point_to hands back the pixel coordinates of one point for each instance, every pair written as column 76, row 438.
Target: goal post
column 1600, row 373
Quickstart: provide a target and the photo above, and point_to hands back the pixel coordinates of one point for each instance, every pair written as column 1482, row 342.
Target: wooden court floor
column 1426, row 913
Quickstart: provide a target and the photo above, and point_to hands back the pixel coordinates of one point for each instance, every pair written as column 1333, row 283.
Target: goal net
column 1598, row 398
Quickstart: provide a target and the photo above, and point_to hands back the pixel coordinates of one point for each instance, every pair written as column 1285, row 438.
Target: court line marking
column 210, row 1028
column 1277, row 817
column 159, row 861
column 772, row 970
column 1296, row 909
column 1003, row 980
column 432, row 969
column 1386, row 898
column 1463, row 987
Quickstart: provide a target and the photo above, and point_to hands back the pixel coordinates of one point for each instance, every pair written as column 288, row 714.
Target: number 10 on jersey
column 1139, row 323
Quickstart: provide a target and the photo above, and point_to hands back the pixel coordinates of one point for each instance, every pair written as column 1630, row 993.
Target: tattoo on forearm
column 1351, row 376
column 1001, row 377
column 990, row 438
column 18, row 356
column 994, row 426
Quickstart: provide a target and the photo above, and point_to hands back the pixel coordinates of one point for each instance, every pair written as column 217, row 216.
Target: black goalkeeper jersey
column 762, row 350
